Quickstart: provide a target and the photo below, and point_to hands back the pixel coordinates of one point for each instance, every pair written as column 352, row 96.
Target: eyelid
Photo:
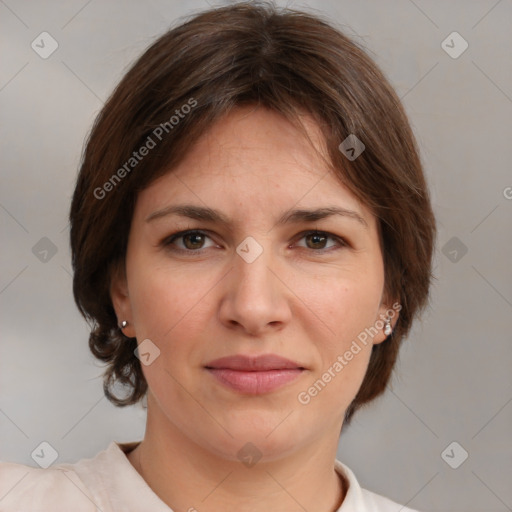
column 168, row 240
column 342, row 242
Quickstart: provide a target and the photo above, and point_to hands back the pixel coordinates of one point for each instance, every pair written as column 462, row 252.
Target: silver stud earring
column 387, row 328
column 123, row 324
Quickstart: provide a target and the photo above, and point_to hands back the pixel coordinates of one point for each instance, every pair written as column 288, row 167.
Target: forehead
column 253, row 158
column 258, row 135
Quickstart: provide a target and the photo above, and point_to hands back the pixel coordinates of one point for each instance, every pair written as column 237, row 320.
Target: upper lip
column 254, row 363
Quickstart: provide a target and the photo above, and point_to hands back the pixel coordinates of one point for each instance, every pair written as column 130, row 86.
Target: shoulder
column 25, row 488
column 106, row 482
column 378, row 503
column 363, row 500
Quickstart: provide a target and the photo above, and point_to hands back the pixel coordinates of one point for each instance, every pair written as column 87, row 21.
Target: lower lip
column 255, row 383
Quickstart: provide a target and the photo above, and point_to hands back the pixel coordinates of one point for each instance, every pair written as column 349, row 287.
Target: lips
column 254, row 375
column 254, row 364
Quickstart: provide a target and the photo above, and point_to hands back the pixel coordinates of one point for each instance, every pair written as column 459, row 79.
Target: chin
column 267, row 435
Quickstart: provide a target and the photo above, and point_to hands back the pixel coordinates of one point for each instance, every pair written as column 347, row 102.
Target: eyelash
column 168, row 241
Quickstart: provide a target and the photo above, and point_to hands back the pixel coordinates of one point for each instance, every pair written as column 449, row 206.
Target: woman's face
column 255, row 283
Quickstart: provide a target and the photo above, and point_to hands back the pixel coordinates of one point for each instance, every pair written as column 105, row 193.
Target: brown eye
column 188, row 241
column 193, row 240
column 317, row 241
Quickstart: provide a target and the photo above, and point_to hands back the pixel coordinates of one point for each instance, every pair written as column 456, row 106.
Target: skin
column 294, row 300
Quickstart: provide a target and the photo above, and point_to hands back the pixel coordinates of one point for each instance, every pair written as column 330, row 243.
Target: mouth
column 254, row 375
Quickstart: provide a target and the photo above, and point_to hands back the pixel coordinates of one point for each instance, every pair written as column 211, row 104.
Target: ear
column 388, row 310
column 120, row 298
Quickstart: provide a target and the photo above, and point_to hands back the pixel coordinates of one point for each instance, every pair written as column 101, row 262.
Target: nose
column 255, row 298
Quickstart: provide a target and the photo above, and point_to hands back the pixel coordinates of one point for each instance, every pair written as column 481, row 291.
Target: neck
column 189, row 477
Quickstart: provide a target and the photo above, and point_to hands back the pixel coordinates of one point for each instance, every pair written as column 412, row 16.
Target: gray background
column 454, row 379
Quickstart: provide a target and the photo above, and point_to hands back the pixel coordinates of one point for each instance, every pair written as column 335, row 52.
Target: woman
column 251, row 238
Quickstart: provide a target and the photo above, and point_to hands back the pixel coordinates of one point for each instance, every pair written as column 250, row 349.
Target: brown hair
column 247, row 54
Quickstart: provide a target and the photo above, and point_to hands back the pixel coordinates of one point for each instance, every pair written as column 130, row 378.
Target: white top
column 109, row 483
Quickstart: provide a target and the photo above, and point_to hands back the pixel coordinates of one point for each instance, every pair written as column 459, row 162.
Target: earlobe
column 388, row 316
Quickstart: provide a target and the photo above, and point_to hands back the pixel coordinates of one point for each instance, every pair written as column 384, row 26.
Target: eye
column 190, row 241
column 317, row 240
column 193, row 241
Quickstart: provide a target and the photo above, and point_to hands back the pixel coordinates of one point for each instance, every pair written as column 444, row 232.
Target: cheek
column 171, row 308
column 348, row 309
column 162, row 297
column 167, row 309
column 343, row 306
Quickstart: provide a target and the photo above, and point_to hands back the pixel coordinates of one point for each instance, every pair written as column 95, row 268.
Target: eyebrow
column 288, row 217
